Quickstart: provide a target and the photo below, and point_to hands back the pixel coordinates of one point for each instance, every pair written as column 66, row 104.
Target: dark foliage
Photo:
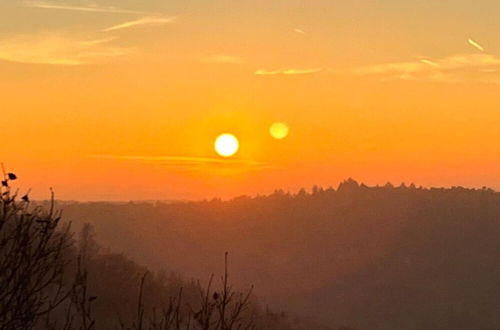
column 32, row 260
column 48, row 280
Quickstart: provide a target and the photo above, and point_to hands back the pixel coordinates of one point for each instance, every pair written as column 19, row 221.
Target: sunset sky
column 123, row 99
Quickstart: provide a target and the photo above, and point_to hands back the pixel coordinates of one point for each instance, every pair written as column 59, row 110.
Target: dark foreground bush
column 33, row 260
column 51, row 280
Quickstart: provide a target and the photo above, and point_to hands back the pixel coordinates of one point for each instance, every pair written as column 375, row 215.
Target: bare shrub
column 47, row 281
column 32, row 259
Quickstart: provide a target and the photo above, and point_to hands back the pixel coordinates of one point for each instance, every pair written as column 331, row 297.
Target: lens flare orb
column 279, row 130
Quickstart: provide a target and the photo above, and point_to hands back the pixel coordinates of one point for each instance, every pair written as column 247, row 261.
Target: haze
column 120, row 100
column 249, row 164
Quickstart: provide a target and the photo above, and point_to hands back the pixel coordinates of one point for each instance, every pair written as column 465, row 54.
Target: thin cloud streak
column 299, row 31
column 88, row 8
column 429, row 62
column 56, row 49
column 186, row 161
column 148, row 21
column 223, row 59
column 263, row 72
column 98, row 41
column 455, row 68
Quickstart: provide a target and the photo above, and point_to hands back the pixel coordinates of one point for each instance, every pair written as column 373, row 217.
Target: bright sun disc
column 226, row 145
column 279, row 130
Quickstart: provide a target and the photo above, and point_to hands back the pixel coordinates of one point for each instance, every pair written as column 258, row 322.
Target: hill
column 363, row 257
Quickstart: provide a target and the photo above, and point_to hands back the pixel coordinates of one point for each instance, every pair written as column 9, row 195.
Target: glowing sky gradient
column 119, row 100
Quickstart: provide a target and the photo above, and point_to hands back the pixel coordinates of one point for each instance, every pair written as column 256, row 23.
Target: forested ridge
column 385, row 257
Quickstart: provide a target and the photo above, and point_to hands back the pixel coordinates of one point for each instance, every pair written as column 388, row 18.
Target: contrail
column 476, row 45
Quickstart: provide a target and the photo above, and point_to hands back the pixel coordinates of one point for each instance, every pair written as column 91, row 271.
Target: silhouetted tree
column 32, row 260
column 50, row 281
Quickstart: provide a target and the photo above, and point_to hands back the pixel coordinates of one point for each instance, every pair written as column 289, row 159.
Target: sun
column 226, row 145
column 279, row 130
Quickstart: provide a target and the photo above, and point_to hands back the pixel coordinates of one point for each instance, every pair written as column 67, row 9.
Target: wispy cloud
column 476, row 45
column 429, row 62
column 223, row 59
column 86, row 8
column 263, row 72
column 98, row 41
column 299, row 31
column 459, row 67
column 56, row 49
column 186, row 161
column 148, row 21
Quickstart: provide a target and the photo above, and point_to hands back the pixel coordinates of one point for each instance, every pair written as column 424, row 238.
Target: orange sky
column 119, row 100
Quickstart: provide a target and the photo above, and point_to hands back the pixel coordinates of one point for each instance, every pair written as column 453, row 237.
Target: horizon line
column 289, row 192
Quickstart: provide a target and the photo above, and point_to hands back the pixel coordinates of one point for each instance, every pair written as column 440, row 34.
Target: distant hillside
column 364, row 257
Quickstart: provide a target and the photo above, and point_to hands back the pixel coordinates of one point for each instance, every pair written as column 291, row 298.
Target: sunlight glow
column 226, row 145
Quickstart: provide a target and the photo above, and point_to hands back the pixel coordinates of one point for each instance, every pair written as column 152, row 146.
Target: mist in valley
column 385, row 257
